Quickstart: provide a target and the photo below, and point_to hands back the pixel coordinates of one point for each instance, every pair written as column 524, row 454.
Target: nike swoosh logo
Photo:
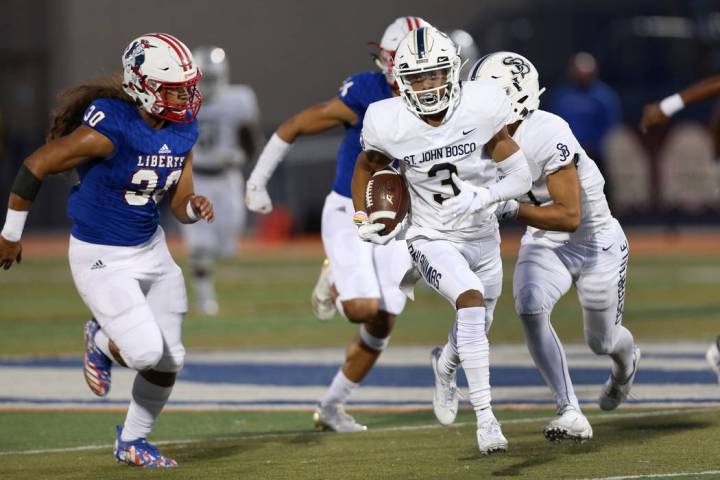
column 469, row 131
column 605, row 249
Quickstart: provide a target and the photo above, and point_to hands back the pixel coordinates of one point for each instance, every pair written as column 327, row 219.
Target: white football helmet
column 213, row 64
column 426, row 52
column 516, row 75
column 154, row 63
column 395, row 32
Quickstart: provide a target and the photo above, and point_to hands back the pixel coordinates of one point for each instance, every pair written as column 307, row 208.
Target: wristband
column 360, row 217
column 190, row 211
column 14, row 225
column 671, row 105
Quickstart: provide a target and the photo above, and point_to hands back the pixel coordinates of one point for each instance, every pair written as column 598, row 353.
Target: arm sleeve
column 103, row 116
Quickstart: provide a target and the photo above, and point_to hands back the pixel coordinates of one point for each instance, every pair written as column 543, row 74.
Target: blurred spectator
column 590, row 106
column 468, row 48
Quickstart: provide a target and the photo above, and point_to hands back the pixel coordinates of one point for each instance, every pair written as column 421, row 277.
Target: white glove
column 257, row 198
column 369, row 232
column 470, row 199
column 507, row 210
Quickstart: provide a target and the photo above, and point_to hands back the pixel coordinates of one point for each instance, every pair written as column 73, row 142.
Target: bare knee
column 361, row 310
column 470, row 299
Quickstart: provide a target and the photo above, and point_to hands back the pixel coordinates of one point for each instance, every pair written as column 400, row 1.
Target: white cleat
column 333, row 417
column 570, row 424
column 445, row 394
column 490, row 438
column 613, row 393
column 713, row 357
column 321, row 300
column 208, row 307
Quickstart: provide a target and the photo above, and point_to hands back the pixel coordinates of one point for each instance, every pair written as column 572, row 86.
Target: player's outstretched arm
column 660, row 112
column 57, row 156
column 565, row 213
column 185, row 205
column 313, row 120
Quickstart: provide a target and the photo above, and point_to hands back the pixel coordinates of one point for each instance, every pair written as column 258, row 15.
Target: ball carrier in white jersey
column 572, row 238
column 364, row 293
column 437, row 130
column 229, row 137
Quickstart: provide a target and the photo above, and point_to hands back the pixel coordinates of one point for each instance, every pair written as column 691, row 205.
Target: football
column 387, row 199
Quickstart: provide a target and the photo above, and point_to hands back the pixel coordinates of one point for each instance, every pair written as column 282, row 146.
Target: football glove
column 257, row 198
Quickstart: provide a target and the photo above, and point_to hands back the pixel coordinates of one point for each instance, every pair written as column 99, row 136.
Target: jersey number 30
column 147, row 182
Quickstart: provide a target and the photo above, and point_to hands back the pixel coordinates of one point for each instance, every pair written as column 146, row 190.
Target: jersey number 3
column 450, row 168
column 147, row 181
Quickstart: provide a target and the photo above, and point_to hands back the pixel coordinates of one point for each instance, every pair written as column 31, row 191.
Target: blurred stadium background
column 664, row 188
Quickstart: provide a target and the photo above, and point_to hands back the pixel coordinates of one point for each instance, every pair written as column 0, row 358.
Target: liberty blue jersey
column 357, row 92
column 116, row 200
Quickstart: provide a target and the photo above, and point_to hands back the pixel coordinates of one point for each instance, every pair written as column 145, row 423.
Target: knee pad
column 372, row 342
column 171, row 362
column 530, row 299
column 137, row 336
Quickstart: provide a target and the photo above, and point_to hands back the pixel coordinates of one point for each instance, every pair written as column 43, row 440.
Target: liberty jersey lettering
column 116, row 200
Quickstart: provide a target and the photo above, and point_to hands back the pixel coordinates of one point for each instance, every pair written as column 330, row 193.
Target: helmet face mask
column 427, row 58
column 517, row 75
column 160, row 75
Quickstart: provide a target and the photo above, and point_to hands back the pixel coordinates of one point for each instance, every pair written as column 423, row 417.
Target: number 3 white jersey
column 220, row 120
column 549, row 144
column 430, row 155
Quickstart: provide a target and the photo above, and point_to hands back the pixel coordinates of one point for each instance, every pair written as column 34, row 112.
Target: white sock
column 449, row 358
column 474, row 351
column 147, row 402
column 204, row 288
column 622, row 355
column 549, row 356
column 339, row 390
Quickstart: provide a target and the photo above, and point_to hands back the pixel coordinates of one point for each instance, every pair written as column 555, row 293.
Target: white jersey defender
column 430, row 155
column 592, row 254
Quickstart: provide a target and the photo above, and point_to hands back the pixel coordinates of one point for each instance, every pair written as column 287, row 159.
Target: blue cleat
column 96, row 365
column 140, row 453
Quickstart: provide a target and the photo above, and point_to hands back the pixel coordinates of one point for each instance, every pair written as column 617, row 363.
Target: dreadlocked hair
column 74, row 101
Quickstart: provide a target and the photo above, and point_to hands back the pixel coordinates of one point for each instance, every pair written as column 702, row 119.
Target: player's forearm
column 182, row 209
column 558, row 218
column 703, row 90
column 360, row 179
column 310, row 121
column 516, row 178
column 274, row 152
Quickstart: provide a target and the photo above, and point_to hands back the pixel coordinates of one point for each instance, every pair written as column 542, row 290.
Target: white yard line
column 267, row 436
column 658, row 475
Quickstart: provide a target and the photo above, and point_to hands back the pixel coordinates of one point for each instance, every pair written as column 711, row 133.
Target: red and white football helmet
column 154, row 63
column 388, row 45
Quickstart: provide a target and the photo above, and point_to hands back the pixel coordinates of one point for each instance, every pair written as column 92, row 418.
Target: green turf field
column 265, row 303
column 397, row 446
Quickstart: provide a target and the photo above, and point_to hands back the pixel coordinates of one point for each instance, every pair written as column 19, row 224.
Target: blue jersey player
column 131, row 146
column 349, row 281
